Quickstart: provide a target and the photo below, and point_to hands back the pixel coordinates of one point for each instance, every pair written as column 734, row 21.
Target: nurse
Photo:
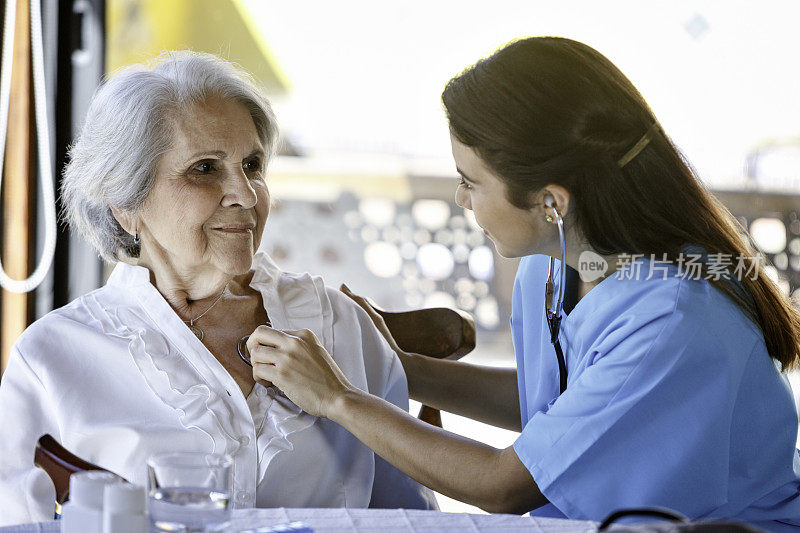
column 663, row 386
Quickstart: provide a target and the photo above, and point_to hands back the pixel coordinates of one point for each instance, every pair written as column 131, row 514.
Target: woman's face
column 209, row 203
column 515, row 232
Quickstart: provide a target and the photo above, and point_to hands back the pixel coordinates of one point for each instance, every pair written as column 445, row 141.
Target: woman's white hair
column 129, row 126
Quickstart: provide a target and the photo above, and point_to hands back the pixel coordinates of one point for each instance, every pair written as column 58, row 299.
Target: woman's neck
column 190, row 292
column 592, row 267
column 188, row 308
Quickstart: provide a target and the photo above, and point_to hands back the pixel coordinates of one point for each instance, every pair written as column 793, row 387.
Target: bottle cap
column 86, row 488
column 124, row 498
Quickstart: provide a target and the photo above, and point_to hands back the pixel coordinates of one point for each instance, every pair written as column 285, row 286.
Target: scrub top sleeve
column 637, row 426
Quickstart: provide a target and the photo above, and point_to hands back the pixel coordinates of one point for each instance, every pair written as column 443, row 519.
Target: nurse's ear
column 553, row 197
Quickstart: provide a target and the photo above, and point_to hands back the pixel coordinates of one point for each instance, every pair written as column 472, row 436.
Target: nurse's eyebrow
column 465, row 176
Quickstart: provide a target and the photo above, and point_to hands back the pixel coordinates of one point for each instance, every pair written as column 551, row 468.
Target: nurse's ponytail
column 549, row 110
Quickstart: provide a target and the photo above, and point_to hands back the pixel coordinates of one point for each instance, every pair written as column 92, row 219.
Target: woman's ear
column 556, row 197
column 129, row 221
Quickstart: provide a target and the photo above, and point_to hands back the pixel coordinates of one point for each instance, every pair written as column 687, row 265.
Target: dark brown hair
column 549, row 110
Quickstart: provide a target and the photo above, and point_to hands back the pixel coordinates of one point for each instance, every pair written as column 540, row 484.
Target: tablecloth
column 369, row 520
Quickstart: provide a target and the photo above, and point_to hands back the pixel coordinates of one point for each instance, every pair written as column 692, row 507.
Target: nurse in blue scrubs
column 663, row 386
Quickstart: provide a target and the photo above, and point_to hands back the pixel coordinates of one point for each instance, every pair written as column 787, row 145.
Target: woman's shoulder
column 344, row 328
column 304, row 293
column 69, row 325
column 306, row 300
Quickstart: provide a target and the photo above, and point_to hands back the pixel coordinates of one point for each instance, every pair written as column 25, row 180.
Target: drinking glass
column 189, row 492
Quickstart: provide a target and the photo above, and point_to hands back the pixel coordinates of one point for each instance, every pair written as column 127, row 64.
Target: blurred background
column 364, row 183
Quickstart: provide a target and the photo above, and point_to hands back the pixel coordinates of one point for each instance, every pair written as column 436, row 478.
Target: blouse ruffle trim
column 293, row 301
column 168, row 374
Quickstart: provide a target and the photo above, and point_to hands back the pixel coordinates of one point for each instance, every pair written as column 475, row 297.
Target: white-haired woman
column 167, row 179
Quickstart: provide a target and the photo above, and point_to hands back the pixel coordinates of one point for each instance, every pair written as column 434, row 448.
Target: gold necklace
column 195, row 329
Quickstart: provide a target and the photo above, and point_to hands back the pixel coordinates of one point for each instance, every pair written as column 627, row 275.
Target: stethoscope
column 244, row 354
column 553, row 315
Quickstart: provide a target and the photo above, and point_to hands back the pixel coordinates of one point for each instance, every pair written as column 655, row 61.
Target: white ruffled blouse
column 116, row 376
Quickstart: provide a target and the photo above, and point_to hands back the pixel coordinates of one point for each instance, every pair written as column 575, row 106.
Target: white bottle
column 124, row 509
column 83, row 513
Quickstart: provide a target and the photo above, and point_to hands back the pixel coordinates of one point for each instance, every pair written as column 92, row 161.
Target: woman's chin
column 236, row 264
column 505, row 251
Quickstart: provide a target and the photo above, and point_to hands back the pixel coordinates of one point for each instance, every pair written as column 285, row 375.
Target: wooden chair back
column 59, row 464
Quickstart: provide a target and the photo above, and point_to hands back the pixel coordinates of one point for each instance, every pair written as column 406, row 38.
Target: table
column 376, row 520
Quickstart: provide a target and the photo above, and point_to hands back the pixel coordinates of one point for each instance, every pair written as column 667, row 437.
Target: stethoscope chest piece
column 241, row 349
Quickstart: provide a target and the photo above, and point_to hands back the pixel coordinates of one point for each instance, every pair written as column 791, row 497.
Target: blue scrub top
column 672, row 400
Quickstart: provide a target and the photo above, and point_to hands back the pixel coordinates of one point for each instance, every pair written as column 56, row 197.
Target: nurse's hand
column 377, row 319
column 300, row 366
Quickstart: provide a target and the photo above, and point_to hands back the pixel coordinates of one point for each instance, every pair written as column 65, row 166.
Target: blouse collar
column 128, row 275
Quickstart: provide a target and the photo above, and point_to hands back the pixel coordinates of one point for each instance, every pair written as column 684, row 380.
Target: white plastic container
column 83, row 513
column 124, row 509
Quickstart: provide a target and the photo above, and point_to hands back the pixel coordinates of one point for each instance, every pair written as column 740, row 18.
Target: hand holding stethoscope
column 244, row 355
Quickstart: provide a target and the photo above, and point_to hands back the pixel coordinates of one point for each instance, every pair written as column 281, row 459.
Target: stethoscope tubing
column 554, row 315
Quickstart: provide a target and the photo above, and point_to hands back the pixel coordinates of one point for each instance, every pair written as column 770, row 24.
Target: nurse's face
column 515, row 232
column 209, row 203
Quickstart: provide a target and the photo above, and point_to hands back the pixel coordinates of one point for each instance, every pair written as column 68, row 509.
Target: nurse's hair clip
column 639, row 146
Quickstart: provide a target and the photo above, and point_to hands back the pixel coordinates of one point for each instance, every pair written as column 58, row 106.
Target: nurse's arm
column 458, row 467
column 484, row 393
column 487, row 394
column 464, row 469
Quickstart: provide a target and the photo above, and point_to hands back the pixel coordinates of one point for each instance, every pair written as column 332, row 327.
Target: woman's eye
column 254, row 165
column 204, row 167
column 463, row 183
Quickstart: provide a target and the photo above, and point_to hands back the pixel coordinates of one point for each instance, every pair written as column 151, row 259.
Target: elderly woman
column 168, row 180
